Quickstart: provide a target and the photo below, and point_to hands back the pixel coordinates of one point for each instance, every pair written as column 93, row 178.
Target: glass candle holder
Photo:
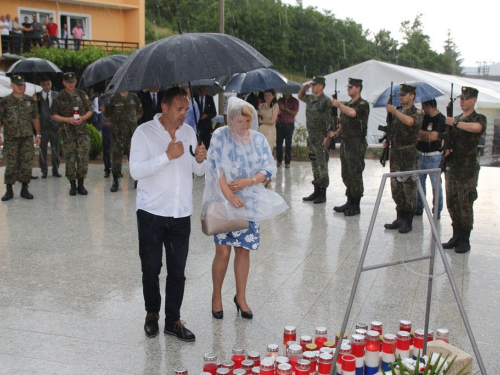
column 403, row 341
column 289, row 334
column 362, row 326
column 237, row 356
column 325, row 364
column 320, row 336
column 377, row 326
column 294, row 353
column 348, row 364
column 267, row 366
column 311, row 348
column 443, row 334
column 210, row 363
column 303, row 367
column 180, row 371
column 255, row 357
column 388, row 350
column 222, row 371
column 311, row 357
column 247, row 365
column 284, row 369
column 304, row 340
column 273, row 351
column 418, row 343
column 405, row 325
column 230, row 365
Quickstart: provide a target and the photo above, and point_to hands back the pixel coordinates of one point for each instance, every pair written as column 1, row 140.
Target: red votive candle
column 229, row 365
column 377, row 326
column 320, row 336
column 325, row 364
column 405, row 325
column 247, row 365
column 267, row 366
column 303, row 367
column 284, row 369
column 180, row 371
column 289, row 334
column 348, row 364
column 210, row 363
column 304, row 340
column 255, row 357
column 238, row 356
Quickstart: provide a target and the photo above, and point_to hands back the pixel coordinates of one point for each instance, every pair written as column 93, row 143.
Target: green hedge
column 95, row 142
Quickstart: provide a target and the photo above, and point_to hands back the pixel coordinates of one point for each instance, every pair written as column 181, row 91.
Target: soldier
column 353, row 127
column 463, row 172
column 123, row 111
column 319, row 120
column 72, row 108
column 406, row 123
column 18, row 116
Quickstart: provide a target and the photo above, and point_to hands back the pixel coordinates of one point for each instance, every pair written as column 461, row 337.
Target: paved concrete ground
column 70, row 282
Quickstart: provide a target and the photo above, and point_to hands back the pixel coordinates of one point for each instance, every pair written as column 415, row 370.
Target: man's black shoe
column 106, row 173
column 44, row 175
column 56, row 174
column 151, row 325
column 178, row 329
column 34, row 177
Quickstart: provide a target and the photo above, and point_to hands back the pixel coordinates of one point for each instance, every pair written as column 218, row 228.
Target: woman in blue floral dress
column 240, row 161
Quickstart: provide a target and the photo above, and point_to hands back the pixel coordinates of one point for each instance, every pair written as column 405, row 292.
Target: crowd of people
column 153, row 129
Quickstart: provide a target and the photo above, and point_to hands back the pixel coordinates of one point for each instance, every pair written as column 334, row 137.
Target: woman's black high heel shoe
column 217, row 314
column 244, row 314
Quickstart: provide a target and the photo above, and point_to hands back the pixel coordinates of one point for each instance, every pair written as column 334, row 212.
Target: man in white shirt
column 159, row 161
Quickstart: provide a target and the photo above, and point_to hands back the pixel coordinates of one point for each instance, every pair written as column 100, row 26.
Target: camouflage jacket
column 17, row 115
column 465, row 143
column 403, row 135
column 64, row 104
column 355, row 127
column 318, row 112
column 123, row 110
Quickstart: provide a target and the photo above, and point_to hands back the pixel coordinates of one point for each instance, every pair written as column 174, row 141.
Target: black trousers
column 51, row 136
column 205, row 132
column 106, row 146
column 284, row 131
column 156, row 232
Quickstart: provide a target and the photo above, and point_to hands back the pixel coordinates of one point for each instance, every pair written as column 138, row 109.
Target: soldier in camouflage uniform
column 73, row 130
column 405, row 126
column 463, row 172
column 353, row 127
column 123, row 110
column 18, row 117
column 318, row 121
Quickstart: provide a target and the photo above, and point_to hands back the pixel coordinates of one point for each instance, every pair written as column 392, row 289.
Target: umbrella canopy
column 183, row 58
column 33, row 65
column 6, row 90
column 424, row 92
column 256, row 80
column 291, row 87
column 101, row 70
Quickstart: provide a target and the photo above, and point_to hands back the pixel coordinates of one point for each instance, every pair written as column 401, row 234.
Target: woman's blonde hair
column 246, row 110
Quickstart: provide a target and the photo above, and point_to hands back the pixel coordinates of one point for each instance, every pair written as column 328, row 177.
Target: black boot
column 9, row 194
column 106, row 173
column 25, row 193
column 407, row 222
column 114, row 187
column 72, row 190
column 464, row 245
column 396, row 223
column 81, row 188
column 453, row 242
column 313, row 196
column 344, row 207
column 354, row 208
column 321, row 198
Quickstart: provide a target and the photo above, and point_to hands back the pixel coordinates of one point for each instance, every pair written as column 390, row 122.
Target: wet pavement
column 70, row 280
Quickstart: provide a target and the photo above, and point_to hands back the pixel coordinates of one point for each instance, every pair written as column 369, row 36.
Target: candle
column 247, row 365
column 377, row 326
column 358, row 343
column 320, row 336
column 348, row 364
column 388, row 349
column 372, row 351
column 311, row 357
column 229, row 365
column 325, row 364
column 289, row 334
column 405, row 325
column 418, row 343
column 304, row 340
column 303, row 367
column 403, row 341
column 443, row 334
column 284, row 369
column 255, row 357
column 180, row 371
column 267, row 366
column 294, row 353
column 238, row 356
column 210, row 363
column 273, row 351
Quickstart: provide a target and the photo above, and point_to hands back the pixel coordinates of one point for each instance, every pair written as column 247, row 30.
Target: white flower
column 250, row 238
column 237, row 243
column 255, row 246
column 237, row 233
column 222, row 236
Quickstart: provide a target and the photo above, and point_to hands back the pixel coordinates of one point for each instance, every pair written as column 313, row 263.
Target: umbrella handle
column 191, row 150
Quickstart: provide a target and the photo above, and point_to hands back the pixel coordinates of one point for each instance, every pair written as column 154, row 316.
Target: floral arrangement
column 434, row 364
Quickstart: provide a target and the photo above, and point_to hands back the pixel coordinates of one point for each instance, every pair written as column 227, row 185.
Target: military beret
column 355, row 82
column 17, row 79
column 469, row 92
column 319, row 79
column 406, row 89
column 69, row 77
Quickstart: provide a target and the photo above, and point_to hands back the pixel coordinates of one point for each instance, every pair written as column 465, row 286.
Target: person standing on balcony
column 27, row 34
column 17, row 32
column 77, row 33
column 52, row 32
column 37, row 32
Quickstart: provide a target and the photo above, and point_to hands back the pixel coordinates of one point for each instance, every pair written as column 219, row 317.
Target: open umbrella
column 185, row 58
column 424, row 92
column 256, row 80
column 101, row 70
column 33, row 65
column 291, row 87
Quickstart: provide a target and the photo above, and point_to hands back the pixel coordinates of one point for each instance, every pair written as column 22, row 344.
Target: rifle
column 387, row 132
column 447, row 135
column 335, row 125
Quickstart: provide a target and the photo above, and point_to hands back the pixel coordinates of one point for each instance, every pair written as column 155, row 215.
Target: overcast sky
column 473, row 27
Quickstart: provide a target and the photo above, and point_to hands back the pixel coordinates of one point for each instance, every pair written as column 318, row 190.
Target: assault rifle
column 448, row 139
column 335, row 125
column 387, row 133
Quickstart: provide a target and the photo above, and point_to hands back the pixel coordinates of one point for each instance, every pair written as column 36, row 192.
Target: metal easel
column 435, row 242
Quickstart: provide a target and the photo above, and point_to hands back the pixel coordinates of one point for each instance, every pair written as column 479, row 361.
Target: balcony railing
column 19, row 44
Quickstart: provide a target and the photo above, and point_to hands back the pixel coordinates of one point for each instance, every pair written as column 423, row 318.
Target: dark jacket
column 149, row 110
column 46, row 123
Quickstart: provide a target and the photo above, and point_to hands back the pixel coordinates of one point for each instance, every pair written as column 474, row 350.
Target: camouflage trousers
column 461, row 192
column 319, row 158
column 18, row 153
column 352, row 162
column 76, row 153
column 120, row 145
column 404, row 193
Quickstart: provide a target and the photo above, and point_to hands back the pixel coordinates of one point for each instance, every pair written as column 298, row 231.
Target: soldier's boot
column 106, row 173
column 345, row 206
column 313, row 196
column 9, row 194
column 354, row 208
column 81, row 189
column 321, row 198
column 72, row 190
column 396, row 223
column 25, row 193
column 464, row 245
column 454, row 240
column 114, row 187
column 407, row 223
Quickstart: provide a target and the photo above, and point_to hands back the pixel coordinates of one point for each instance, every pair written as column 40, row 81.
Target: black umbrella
column 33, row 65
column 184, row 58
column 101, row 70
column 256, row 80
column 291, row 87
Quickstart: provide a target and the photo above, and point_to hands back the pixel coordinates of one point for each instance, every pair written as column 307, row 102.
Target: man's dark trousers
column 284, row 131
column 106, row 147
column 52, row 136
column 155, row 232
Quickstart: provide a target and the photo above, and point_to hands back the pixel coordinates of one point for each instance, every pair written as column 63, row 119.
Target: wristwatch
column 455, row 123
column 253, row 180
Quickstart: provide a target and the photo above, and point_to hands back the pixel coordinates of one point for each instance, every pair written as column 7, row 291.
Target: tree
column 386, row 47
column 450, row 59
